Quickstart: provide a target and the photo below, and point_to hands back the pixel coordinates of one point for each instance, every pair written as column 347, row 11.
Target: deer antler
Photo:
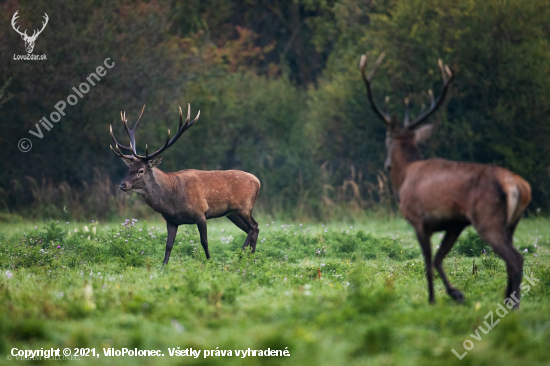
column 447, row 76
column 132, row 134
column 13, row 19
column 118, row 153
column 435, row 103
column 36, row 33
column 367, row 79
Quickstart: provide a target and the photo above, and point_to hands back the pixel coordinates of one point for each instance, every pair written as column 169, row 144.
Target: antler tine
column 442, row 70
column 120, row 154
column 131, row 132
column 436, row 102
column 376, row 65
column 43, row 26
column 406, row 119
column 115, row 141
column 139, row 119
column 124, row 122
column 114, row 152
column 195, row 120
column 387, row 105
column 186, row 124
column 182, row 128
column 13, row 19
column 367, row 79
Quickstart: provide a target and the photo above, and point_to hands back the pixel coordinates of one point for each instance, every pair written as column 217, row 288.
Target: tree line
column 280, row 95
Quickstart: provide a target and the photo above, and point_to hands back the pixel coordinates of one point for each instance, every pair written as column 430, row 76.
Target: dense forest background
column 279, row 91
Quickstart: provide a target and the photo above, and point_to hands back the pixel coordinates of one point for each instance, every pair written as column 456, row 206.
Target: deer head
column 29, row 40
column 408, row 136
column 140, row 166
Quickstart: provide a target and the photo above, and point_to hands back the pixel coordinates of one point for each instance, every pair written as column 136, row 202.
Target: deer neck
column 403, row 155
column 157, row 193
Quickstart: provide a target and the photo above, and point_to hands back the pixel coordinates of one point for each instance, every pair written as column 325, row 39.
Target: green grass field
column 99, row 285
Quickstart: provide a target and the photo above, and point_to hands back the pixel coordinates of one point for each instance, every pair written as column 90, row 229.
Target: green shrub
column 470, row 244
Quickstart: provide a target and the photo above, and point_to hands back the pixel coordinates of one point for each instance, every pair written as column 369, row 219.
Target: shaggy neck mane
column 404, row 153
column 159, row 187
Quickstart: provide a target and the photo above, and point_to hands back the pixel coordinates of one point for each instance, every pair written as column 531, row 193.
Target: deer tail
column 518, row 196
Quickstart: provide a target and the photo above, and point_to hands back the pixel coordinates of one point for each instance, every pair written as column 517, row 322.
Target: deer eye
column 141, row 171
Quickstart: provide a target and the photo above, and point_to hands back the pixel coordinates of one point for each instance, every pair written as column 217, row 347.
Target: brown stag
column 442, row 195
column 189, row 196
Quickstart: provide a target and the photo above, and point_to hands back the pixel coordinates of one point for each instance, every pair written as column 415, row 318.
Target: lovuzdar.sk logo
column 29, row 40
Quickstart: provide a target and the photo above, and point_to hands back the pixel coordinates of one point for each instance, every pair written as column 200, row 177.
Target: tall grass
column 45, row 199
column 353, row 200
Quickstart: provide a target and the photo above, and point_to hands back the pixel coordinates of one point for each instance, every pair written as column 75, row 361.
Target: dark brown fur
column 442, row 195
column 189, row 196
column 194, row 196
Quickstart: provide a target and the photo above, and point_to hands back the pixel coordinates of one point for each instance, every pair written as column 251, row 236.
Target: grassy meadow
column 335, row 294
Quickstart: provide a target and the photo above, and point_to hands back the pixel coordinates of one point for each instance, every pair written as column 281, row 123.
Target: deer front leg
column 172, row 231
column 201, row 225
column 423, row 236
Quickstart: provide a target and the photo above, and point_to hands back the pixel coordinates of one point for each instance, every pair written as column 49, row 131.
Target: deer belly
column 437, row 211
column 217, row 211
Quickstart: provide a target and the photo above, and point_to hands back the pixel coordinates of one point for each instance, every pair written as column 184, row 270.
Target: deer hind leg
column 201, row 225
column 253, row 230
column 241, row 225
column 172, row 231
column 501, row 242
column 423, row 236
column 446, row 244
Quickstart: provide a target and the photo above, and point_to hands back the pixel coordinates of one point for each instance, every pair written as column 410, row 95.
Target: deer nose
column 122, row 186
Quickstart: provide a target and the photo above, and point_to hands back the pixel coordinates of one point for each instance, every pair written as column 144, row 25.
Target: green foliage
column 280, row 96
column 502, row 53
column 527, row 248
column 369, row 306
column 470, row 244
column 490, row 262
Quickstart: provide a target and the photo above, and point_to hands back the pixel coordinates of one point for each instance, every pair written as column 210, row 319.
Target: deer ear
column 423, row 133
column 128, row 162
column 154, row 162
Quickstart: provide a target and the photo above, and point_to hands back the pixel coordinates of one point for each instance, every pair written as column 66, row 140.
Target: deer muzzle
column 125, row 186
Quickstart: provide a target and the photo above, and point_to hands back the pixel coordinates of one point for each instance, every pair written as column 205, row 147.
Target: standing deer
column 29, row 40
column 442, row 195
column 189, row 196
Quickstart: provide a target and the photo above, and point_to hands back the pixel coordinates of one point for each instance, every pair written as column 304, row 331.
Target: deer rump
column 440, row 193
column 216, row 193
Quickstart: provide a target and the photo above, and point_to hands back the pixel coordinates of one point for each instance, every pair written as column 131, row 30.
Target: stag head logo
column 29, row 40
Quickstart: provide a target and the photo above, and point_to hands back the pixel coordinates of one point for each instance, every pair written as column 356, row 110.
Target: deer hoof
column 457, row 295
